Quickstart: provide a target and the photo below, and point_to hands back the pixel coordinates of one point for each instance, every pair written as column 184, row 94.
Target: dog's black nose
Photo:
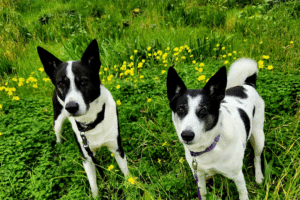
column 72, row 107
column 187, row 135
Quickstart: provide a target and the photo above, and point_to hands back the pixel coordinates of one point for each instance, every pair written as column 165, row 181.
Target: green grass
column 33, row 166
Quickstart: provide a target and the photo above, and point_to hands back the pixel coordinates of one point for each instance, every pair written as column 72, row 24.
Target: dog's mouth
column 187, row 142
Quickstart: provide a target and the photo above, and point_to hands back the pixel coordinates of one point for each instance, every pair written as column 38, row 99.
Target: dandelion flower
column 131, row 180
column 164, row 144
column 0, row 106
column 200, row 70
column 260, row 42
column 201, row 78
column 118, row 86
column 234, row 52
column 224, row 56
column 110, row 167
column 183, row 57
column 131, row 57
column 34, row 86
column 156, row 78
column 135, row 51
column 181, row 160
column 159, row 161
column 141, row 76
column 14, row 79
column 149, row 54
column 105, row 69
column 149, row 48
column 16, row 98
column 291, row 42
column 176, row 49
column 217, row 45
column 270, row 67
column 118, row 102
column 230, row 54
column 41, row 69
column 226, row 62
column 168, row 48
column 223, row 48
column 194, row 61
column 201, row 64
column 112, row 155
column 149, row 100
column 265, row 57
column 0, row 133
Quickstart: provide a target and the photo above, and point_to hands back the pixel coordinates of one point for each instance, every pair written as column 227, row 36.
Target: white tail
column 240, row 70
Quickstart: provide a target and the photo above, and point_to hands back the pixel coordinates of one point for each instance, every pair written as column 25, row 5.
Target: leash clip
column 84, row 140
column 194, row 164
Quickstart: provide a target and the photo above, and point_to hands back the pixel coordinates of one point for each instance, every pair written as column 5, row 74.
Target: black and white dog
column 214, row 123
column 89, row 106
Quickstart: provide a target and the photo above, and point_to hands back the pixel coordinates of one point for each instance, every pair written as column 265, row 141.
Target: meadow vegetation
column 139, row 41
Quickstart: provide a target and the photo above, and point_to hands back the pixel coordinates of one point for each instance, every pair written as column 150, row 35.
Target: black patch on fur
column 239, row 101
column 86, row 127
column 245, row 120
column 87, row 81
column 120, row 149
column 253, row 111
column 238, row 91
column 251, row 80
column 57, row 108
column 227, row 109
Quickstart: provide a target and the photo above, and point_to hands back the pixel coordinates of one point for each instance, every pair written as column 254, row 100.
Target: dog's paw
column 259, row 178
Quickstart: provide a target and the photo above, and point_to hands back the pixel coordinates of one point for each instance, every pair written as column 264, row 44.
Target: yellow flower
column 14, row 79
column 201, row 78
column 118, row 102
column 166, row 65
column 223, row 48
column 265, row 57
column 260, row 42
column 149, row 48
column 149, row 100
column 196, row 68
column 0, row 133
column 157, row 57
column 291, row 42
column 41, row 69
column 191, row 56
column 224, row 56
column 176, row 49
column 112, row 155
column 141, row 76
column 46, row 79
column 270, row 67
column 0, row 106
column 149, row 54
column 230, row 54
column 20, row 84
column 140, row 65
column 168, row 48
column 163, row 71
column 105, row 69
column 217, row 45
column 121, row 74
column 159, row 161
column 181, row 160
column 109, row 78
column 16, row 98
column 118, row 86
column 164, row 144
column 226, row 62
column 206, row 38
column 131, row 180
column 194, row 62
column 200, row 70
column 201, row 64
column 110, row 167
column 143, row 61
column 19, row 142
column 135, row 51
column 21, row 79
column 131, row 57
column 34, row 86
column 234, row 52
column 156, row 78
column 124, row 63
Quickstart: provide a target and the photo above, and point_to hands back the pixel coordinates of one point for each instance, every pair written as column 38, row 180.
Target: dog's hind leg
column 257, row 139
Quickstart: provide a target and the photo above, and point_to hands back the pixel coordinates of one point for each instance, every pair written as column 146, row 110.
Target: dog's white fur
column 104, row 134
column 227, row 156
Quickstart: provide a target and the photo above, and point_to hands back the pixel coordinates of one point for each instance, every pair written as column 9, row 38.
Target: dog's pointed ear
column 49, row 61
column 216, row 85
column 175, row 85
column 91, row 56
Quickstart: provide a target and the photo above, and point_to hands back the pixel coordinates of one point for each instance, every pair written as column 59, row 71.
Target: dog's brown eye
column 180, row 111
column 84, row 82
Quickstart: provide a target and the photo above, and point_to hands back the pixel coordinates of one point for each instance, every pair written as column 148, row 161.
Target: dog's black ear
column 91, row 56
column 216, row 85
column 175, row 85
column 49, row 61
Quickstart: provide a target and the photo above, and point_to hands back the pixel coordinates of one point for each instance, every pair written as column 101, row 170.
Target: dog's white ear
column 216, row 85
column 91, row 56
column 49, row 61
column 175, row 85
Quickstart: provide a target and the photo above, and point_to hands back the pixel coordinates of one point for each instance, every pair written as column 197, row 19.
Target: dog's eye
column 202, row 112
column 61, row 84
column 84, row 82
column 181, row 111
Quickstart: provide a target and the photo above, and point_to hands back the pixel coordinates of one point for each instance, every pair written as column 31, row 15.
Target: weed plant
column 139, row 41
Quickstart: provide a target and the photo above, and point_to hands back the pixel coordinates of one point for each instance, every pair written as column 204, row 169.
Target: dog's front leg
column 90, row 170
column 239, row 181
column 202, row 184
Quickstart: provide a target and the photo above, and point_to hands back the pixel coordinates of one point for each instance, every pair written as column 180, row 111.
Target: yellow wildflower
column 200, row 70
column 291, row 42
column 118, row 86
column 135, row 51
column 234, row 52
column 176, row 49
column 149, row 100
column 118, row 102
column 230, row 54
column 270, row 67
column 46, row 79
column 194, row 61
column 131, row 180
column 34, row 86
column 163, row 71
column 105, row 69
column 226, row 62
column 0, row 106
column 265, row 57
column 223, row 48
column 149, row 54
column 168, row 48
column 16, row 98
column 164, row 144
column 41, row 69
column 224, row 56
column 143, row 61
column 217, row 45
column 201, row 78
column 131, row 57
column 110, row 167
column 14, row 79
column 159, row 161
column 112, row 155
column 149, row 48
column 181, row 160
column 141, row 76
column 140, row 65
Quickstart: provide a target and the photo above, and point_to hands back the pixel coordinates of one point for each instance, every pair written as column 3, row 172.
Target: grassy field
column 138, row 41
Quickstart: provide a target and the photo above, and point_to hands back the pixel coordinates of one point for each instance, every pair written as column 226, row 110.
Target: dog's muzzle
column 187, row 136
column 72, row 107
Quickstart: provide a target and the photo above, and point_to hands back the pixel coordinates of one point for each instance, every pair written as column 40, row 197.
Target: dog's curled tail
column 242, row 71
